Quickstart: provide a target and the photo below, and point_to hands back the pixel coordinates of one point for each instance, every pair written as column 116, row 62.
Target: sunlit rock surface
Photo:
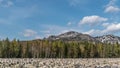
column 60, row 63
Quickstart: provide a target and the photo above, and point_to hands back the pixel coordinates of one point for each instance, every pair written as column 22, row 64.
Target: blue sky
column 33, row 19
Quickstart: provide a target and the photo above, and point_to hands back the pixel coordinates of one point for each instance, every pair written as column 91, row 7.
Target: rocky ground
column 60, row 63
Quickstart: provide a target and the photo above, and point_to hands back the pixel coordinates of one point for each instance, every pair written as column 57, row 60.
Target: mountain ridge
column 76, row 36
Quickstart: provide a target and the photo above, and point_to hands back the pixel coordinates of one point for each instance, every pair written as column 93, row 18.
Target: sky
column 35, row 19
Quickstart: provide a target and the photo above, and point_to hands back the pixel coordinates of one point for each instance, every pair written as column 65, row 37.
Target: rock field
column 60, row 63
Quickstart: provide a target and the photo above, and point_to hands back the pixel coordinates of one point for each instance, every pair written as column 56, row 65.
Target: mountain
column 76, row 36
column 72, row 36
column 108, row 39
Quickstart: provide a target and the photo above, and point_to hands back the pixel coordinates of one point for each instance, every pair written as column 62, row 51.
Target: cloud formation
column 110, row 29
column 69, row 23
column 111, row 7
column 6, row 3
column 113, row 28
column 74, row 2
column 29, row 33
column 105, row 24
column 92, row 32
column 77, row 2
column 92, row 19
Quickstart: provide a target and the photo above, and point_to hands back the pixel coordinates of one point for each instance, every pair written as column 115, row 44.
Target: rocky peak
column 69, row 34
column 76, row 36
column 109, row 39
column 72, row 36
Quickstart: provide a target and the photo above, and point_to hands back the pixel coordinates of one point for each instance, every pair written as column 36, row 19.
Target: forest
column 57, row 49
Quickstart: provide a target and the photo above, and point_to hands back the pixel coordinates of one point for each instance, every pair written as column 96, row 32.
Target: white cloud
column 29, row 33
column 69, row 23
column 111, row 2
column 92, row 19
column 93, row 32
column 45, row 31
column 110, row 29
column 105, row 24
column 74, row 2
column 89, row 32
column 112, row 9
column 6, row 3
column 113, row 28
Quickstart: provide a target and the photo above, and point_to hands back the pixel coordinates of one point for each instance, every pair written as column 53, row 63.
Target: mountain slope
column 76, row 36
column 72, row 36
column 108, row 39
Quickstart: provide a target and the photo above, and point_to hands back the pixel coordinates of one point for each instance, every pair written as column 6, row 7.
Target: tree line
column 57, row 49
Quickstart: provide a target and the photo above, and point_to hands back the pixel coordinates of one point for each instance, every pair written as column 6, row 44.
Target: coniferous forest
column 57, row 49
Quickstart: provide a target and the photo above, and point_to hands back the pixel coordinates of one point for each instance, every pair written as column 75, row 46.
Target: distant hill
column 76, row 36
column 72, row 36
